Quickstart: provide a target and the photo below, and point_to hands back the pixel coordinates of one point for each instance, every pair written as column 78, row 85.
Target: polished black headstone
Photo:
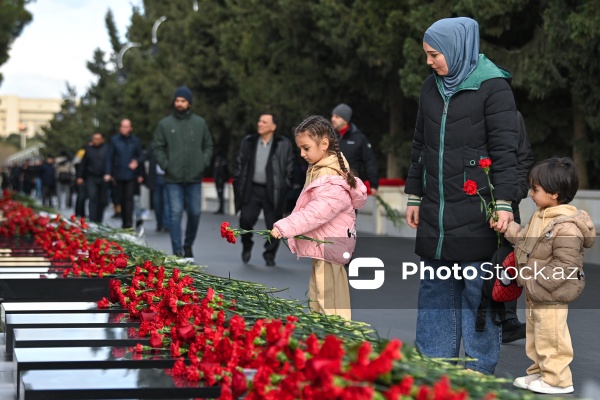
column 53, row 307
column 108, row 384
column 86, row 358
column 87, row 320
column 51, row 287
column 74, row 337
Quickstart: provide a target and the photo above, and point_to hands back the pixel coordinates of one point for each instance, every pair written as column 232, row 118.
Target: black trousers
column 125, row 190
column 47, row 193
column 511, row 310
column 80, row 201
column 97, row 191
column 249, row 216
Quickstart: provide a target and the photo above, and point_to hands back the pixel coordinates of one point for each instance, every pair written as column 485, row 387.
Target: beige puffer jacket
column 549, row 253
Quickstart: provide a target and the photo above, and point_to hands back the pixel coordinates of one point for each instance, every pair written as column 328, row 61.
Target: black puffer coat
column 358, row 152
column 280, row 169
column 451, row 136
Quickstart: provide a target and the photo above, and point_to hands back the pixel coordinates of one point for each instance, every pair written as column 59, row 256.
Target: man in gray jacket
column 183, row 149
column 263, row 174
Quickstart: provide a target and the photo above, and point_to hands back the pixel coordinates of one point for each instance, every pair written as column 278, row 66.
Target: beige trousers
column 328, row 290
column 548, row 343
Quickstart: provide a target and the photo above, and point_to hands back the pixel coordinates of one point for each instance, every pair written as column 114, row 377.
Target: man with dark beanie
column 183, row 149
column 355, row 146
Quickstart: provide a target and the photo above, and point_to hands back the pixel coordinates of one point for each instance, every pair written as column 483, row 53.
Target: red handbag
column 505, row 286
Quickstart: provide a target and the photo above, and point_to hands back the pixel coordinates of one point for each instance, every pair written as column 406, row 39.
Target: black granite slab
column 4, row 252
column 12, row 243
column 108, row 384
column 74, row 337
column 106, row 357
column 87, row 320
column 21, row 250
column 51, row 287
column 53, row 307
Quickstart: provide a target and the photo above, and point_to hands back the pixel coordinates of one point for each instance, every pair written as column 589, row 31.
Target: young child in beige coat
column 549, row 257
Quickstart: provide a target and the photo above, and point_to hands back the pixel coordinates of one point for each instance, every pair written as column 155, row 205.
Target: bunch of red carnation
column 227, row 232
column 18, row 219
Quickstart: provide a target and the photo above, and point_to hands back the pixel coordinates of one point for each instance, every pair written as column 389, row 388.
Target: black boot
column 512, row 329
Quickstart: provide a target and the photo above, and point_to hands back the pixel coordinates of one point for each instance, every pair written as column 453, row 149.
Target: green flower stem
column 391, row 213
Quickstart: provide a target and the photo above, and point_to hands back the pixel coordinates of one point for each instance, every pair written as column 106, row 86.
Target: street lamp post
column 121, row 75
column 154, row 30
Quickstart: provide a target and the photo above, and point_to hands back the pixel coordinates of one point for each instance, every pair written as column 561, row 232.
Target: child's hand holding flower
column 230, row 233
column 276, row 234
column 498, row 219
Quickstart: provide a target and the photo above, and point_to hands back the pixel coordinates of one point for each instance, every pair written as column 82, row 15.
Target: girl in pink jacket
column 325, row 210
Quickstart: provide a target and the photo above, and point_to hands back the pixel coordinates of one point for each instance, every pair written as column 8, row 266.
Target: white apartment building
column 18, row 114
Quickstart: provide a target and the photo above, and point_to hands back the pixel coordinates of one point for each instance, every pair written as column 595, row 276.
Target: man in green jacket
column 183, row 149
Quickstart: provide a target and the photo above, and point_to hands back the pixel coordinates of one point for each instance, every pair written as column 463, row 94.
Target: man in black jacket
column 263, row 174
column 123, row 157
column 512, row 328
column 91, row 174
column 355, row 146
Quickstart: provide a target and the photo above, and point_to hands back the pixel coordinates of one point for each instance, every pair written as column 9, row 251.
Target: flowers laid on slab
column 239, row 336
column 471, row 189
column 65, row 242
column 230, row 234
column 219, row 346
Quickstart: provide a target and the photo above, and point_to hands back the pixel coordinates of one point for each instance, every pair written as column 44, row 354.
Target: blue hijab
column 458, row 40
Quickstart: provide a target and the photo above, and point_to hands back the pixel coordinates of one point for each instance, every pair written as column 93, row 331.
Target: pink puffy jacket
column 325, row 210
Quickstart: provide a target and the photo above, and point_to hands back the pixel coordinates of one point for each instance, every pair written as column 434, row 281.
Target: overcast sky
column 55, row 47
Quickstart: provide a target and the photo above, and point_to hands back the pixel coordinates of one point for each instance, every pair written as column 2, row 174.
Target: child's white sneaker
column 524, row 381
column 540, row 386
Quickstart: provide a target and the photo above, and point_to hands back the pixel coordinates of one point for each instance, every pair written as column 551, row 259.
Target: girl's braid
column 334, row 143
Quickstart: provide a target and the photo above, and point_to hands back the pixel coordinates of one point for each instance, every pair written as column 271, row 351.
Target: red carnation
column 119, row 352
column 231, row 237
column 148, row 315
column 485, row 163
column 224, row 229
column 156, row 340
column 104, row 303
column 238, row 384
column 470, row 187
column 121, row 261
column 186, row 332
column 227, row 232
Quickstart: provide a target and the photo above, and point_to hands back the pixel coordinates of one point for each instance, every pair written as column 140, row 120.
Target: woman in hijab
column 466, row 113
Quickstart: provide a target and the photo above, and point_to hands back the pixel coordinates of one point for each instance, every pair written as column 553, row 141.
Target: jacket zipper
column 438, row 253
column 530, row 308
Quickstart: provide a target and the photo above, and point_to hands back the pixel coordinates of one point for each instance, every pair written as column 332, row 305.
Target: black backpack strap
column 498, row 312
column 481, row 312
